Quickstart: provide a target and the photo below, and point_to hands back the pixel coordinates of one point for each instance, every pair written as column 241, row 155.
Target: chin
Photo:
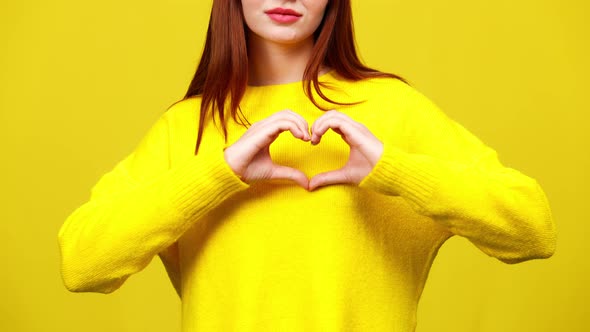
column 285, row 37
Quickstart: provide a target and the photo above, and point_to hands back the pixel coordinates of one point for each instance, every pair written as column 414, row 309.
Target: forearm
column 109, row 238
column 500, row 210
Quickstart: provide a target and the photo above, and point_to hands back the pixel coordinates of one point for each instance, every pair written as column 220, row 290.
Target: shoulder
column 184, row 106
column 383, row 89
column 391, row 87
column 399, row 94
column 184, row 111
column 387, row 100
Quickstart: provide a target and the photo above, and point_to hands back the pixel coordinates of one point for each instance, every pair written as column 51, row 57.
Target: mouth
column 283, row 11
column 283, row 15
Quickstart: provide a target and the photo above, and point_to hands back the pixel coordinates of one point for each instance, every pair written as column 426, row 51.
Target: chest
column 383, row 121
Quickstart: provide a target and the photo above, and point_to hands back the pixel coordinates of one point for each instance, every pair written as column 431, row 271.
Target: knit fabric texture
column 272, row 256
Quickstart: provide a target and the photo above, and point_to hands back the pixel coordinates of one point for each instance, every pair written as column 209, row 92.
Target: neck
column 272, row 63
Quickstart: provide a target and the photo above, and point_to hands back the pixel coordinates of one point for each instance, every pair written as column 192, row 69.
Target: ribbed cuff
column 201, row 184
column 412, row 176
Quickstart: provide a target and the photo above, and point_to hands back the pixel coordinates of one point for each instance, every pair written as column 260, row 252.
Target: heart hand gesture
column 250, row 159
column 365, row 149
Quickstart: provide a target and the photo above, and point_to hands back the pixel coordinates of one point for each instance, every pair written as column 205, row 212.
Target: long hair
column 222, row 72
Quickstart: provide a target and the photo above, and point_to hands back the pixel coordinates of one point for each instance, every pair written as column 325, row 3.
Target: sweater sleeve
column 138, row 210
column 449, row 175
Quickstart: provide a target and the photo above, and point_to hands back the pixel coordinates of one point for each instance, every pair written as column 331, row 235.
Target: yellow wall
column 81, row 82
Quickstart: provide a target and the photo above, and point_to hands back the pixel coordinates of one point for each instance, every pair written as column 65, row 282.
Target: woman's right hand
column 249, row 156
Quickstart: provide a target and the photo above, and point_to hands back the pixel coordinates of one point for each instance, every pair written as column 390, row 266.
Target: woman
column 249, row 241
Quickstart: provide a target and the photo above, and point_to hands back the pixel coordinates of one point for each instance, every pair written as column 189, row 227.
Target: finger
column 292, row 174
column 339, row 132
column 295, row 118
column 338, row 176
column 272, row 129
column 283, row 117
column 316, row 132
column 318, row 128
column 302, row 123
column 344, row 127
column 257, row 139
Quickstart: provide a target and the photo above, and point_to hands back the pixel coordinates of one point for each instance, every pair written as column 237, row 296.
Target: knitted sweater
column 271, row 256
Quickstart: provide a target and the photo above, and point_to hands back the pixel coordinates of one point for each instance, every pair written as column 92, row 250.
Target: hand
column 365, row 149
column 249, row 156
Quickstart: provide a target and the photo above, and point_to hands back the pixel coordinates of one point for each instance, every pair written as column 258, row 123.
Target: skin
column 278, row 53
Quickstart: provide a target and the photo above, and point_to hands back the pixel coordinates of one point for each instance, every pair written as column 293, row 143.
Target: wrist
column 230, row 161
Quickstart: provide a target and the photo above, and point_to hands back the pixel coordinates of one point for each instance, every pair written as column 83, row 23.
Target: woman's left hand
column 365, row 149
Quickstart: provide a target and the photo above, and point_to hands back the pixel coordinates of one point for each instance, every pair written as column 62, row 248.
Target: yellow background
column 81, row 82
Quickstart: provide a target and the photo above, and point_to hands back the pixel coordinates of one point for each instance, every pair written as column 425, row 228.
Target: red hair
column 223, row 69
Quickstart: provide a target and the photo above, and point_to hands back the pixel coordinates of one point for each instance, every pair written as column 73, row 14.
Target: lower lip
column 280, row 18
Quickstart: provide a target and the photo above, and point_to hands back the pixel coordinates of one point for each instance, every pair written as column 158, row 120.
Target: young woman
column 331, row 227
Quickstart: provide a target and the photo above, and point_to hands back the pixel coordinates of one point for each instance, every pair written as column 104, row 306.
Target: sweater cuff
column 201, row 184
column 398, row 173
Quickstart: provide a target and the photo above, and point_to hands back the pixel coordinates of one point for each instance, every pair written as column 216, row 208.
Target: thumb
column 338, row 176
column 292, row 174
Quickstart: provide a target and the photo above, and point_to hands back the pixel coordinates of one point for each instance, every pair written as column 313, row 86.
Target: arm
column 451, row 176
column 143, row 206
column 138, row 210
column 445, row 173
column 170, row 259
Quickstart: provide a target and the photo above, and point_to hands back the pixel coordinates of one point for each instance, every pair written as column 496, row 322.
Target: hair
column 221, row 77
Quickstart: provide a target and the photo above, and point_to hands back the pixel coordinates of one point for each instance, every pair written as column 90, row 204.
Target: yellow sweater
column 275, row 257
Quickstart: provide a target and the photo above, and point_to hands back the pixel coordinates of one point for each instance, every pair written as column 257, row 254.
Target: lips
column 283, row 11
column 283, row 15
